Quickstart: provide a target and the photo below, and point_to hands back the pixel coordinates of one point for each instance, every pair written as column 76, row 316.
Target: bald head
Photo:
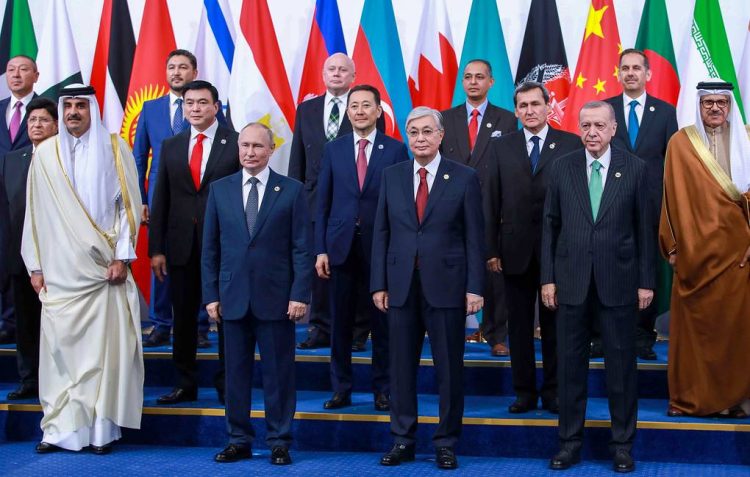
column 338, row 74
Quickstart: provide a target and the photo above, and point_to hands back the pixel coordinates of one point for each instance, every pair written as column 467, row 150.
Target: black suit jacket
column 456, row 139
column 309, row 138
column 617, row 250
column 177, row 210
column 657, row 126
column 4, row 231
column 14, row 167
column 514, row 197
column 22, row 140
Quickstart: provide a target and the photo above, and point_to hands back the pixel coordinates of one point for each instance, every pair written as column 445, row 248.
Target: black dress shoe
column 178, row 395
column 203, row 341
column 156, row 338
column 519, row 406
column 314, row 342
column 233, row 453
column 622, row 462
column 280, row 456
column 24, row 391
column 338, row 401
column 552, row 405
column 596, row 351
column 647, row 353
column 7, row 337
column 398, row 454
column 564, row 459
column 46, row 448
column 220, row 395
column 101, row 450
column 358, row 347
column 445, row 458
column 382, row 402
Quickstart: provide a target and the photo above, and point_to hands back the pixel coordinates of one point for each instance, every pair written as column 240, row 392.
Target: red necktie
column 362, row 162
column 473, row 128
column 195, row 161
column 422, row 193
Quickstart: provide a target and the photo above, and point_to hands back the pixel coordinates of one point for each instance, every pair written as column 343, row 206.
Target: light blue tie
column 633, row 124
column 178, row 121
column 251, row 206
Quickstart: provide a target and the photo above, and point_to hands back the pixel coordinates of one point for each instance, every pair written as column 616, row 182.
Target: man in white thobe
column 79, row 236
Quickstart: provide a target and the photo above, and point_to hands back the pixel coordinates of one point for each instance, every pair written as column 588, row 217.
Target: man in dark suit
column 514, row 191
column 189, row 162
column 470, row 128
column 162, row 118
column 646, row 125
column 427, row 274
column 348, row 187
column 598, row 260
column 257, row 274
column 318, row 121
column 21, row 74
column 14, row 167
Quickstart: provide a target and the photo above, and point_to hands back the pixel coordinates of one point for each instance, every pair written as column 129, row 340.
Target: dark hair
column 42, row 103
column 633, row 51
column 201, row 84
column 528, row 86
column 32, row 60
column 484, row 62
column 179, row 52
column 365, row 87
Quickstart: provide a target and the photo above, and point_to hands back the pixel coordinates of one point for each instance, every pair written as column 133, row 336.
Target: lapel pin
column 489, row 125
column 446, row 176
column 552, row 146
column 617, row 174
column 652, row 109
column 223, row 141
column 277, row 188
column 380, row 146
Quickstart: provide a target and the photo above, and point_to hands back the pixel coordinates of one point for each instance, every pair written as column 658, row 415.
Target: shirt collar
column 342, row 98
column 262, row 176
column 627, row 99
column 84, row 138
column 370, row 137
column 542, row 134
column 604, row 160
column 432, row 167
column 173, row 97
column 24, row 101
column 482, row 108
column 210, row 132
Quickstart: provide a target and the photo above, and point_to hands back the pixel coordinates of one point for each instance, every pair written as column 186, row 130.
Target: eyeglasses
column 426, row 132
column 709, row 103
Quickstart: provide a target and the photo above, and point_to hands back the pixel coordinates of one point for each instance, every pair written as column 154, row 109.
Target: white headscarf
column 739, row 143
column 95, row 176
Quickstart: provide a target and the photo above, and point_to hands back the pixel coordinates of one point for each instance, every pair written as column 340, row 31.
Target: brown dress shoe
column 500, row 350
column 476, row 337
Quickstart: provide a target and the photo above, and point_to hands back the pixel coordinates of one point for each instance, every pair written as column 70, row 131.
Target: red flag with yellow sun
column 595, row 78
column 148, row 81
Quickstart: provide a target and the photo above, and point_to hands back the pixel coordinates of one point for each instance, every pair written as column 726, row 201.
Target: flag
column 326, row 38
column 597, row 70
column 434, row 70
column 16, row 37
column 214, row 46
column 705, row 54
column 543, row 57
column 259, row 89
column 113, row 62
column 147, row 81
column 484, row 39
column 744, row 73
column 57, row 61
column 377, row 55
column 655, row 40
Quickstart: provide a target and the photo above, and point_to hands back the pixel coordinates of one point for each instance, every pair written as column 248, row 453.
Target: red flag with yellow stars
column 596, row 73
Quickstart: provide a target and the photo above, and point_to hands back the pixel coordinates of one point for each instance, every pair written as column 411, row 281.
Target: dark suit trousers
column 275, row 340
column 406, row 328
column 185, row 290
column 349, row 292
column 7, row 311
column 494, row 324
column 521, row 293
column 28, row 314
column 617, row 325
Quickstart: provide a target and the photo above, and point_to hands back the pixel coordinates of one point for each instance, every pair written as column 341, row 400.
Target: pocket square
column 496, row 134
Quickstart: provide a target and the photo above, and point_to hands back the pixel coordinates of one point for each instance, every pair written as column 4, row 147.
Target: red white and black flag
column 543, row 56
column 113, row 62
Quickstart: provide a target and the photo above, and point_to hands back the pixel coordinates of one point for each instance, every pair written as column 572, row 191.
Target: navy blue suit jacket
column 14, row 167
column 449, row 243
column 340, row 202
column 617, row 250
column 263, row 273
column 4, row 234
column 22, row 140
column 154, row 126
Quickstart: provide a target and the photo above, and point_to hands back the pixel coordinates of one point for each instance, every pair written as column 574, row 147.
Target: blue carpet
column 19, row 459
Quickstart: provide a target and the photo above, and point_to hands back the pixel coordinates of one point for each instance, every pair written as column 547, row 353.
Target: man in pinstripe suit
column 597, row 264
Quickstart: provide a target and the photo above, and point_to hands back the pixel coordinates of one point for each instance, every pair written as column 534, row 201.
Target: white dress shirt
column 208, row 141
column 12, row 106
column 368, row 149
column 432, row 169
column 604, row 160
column 173, row 106
column 328, row 106
column 626, row 100
column 542, row 135
column 261, row 185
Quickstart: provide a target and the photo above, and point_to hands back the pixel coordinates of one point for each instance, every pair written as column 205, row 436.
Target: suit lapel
column 373, row 167
column 645, row 121
column 580, row 185
column 548, row 151
column 622, row 125
column 182, row 156
column 237, row 205
column 272, row 192
column 522, row 155
column 3, row 123
column 613, row 182
column 318, row 107
column 438, row 187
column 461, row 126
column 483, row 134
column 407, row 186
column 217, row 148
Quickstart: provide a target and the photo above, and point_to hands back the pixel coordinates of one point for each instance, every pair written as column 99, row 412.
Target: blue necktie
column 633, row 124
column 535, row 153
column 251, row 206
column 178, row 121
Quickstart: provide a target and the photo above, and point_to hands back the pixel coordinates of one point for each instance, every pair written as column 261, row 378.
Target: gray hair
column 262, row 126
column 424, row 111
column 597, row 105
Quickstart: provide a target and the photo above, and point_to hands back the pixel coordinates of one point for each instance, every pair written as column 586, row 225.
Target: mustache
column 73, row 116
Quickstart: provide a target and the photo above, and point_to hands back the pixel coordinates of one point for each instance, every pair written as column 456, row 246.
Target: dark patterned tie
column 332, row 128
column 535, row 153
column 251, row 206
column 178, row 121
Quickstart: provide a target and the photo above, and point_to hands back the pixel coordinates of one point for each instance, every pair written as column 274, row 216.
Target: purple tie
column 15, row 121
